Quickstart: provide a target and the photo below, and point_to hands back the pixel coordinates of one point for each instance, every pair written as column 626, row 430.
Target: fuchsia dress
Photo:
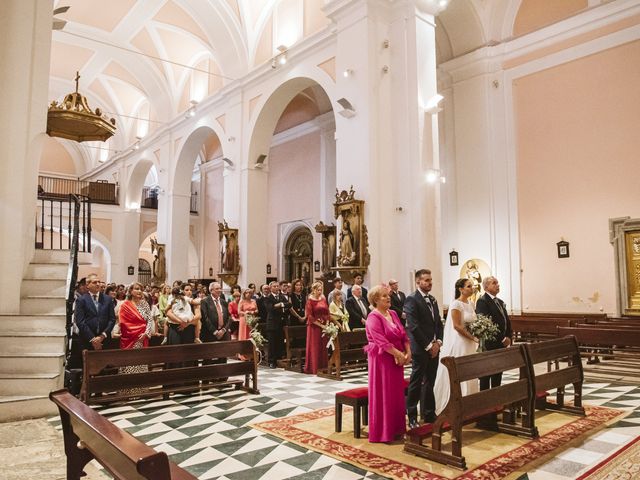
column 317, row 355
column 386, row 379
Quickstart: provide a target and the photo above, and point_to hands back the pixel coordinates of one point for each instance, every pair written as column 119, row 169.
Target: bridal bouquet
column 256, row 336
column 330, row 330
column 483, row 329
column 252, row 320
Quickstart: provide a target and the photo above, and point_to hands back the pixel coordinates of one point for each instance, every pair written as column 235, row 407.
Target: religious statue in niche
column 229, row 253
column 159, row 262
column 353, row 242
column 328, row 233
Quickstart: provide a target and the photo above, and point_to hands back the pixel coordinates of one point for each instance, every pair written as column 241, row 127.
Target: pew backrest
column 550, row 351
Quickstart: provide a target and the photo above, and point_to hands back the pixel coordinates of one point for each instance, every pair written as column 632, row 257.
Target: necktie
column 426, row 299
column 364, row 310
column 220, row 317
column 95, row 300
column 500, row 308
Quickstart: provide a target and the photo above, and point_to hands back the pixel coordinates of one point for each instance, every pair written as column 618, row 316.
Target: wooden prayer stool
column 552, row 351
column 358, row 399
column 460, row 410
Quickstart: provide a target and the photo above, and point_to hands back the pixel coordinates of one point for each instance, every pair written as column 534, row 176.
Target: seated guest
column 388, row 352
column 358, row 308
column 339, row 313
column 317, row 313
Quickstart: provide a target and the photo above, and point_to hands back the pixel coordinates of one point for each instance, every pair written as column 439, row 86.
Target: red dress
column 317, row 356
column 245, row 307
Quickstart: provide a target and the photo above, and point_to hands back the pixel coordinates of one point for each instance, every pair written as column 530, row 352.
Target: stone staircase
column 32, row 343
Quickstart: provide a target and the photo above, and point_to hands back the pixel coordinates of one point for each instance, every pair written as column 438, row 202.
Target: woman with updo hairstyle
column 317, row 313
column 456, row 342
column 388, row 351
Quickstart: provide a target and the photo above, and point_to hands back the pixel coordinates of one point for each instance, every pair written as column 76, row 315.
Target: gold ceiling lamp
column 74, row 120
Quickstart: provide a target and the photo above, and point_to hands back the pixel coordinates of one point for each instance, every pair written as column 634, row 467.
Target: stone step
column 51, row 256
column 25, row 363
column 50, row 271
column 32, row 323
column 43, row 286
column 29, row 384
column 26, row 342
column 20, row 407
column 38, row 305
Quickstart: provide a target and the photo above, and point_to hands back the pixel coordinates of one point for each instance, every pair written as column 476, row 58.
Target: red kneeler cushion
column 362, row 392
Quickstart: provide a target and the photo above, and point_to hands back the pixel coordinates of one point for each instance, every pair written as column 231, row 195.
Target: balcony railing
column 150, row 199
column 99, row 191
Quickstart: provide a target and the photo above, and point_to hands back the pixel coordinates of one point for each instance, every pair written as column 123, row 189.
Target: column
column 25, row 46
column 125, row 246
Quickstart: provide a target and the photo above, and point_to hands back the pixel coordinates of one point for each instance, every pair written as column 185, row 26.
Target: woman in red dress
column 246, row 306
column 135, row 319
column 317, row 313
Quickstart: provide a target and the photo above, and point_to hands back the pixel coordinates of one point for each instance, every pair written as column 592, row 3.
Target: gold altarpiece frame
column 624, row 234
column 351, row 236
column 229, row 253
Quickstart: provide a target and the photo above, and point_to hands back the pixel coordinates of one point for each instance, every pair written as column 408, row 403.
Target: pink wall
column 56, row 159
column 294, row 188
column 578, row 140
column 213, row 211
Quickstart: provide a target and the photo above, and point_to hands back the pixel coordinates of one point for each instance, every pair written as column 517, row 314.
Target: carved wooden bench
column 348, row 354
column 88, row 435
column 295, row 338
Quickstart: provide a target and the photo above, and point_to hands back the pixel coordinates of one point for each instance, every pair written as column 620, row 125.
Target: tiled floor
column 209, row 434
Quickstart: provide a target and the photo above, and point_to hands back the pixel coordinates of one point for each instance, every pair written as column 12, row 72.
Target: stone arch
column 463, row 30
column 271, row 110
column 135, row 182
column 297, row 254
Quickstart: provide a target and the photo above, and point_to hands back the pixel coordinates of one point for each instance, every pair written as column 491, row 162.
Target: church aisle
column 209, row 434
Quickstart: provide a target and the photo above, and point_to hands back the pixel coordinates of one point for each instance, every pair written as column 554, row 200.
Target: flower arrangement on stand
column 331, row 331
column 254, row 333
column 483, row 329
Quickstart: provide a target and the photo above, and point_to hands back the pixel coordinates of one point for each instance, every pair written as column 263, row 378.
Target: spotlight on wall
column 347, row 109
column 191, row 111
column 432, row 105
column 280, row 58
column 433, row 176
column 347, row 73
column 260, row 161
column 227, row 162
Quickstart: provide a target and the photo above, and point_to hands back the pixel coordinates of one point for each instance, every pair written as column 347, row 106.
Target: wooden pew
column 193, row 361
column 527, row 329
column 295, row 338
column 589, row 317
column 88, row 435
column 348, row 354
column 461, row 410
column 551, row 352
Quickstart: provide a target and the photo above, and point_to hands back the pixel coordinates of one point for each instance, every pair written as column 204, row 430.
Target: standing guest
column 317, row 313
column 246, row 306
column 357, row 280
column 285, row 293
column 95, row 317
column 277, row 311
column 339, row 313
column 491, row 306
column 397, row 300
column 265, row 291
column 358, row 308
column 163, row 304
column 74, row 359
column 298, row 303
column 457, row 341
column 252, row 287
column 424, row 328
column 136, row 323
column 388, row 352
column 192, row 335
column 110, row 291
column 233, row 312
column 338, row 285
column 215, row 317
column 180, row 318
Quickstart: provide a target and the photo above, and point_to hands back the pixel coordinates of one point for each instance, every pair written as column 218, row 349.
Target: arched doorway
column 144, row 272
column 298, row 255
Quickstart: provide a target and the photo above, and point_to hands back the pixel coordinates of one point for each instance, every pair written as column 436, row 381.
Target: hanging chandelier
column 74, row 120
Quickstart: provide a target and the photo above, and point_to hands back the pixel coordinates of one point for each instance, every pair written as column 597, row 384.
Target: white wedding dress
column 454, row 345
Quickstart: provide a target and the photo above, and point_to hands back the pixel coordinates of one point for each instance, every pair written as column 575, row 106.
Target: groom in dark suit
column 95, row 316
column 491, row 306
column 424, row 328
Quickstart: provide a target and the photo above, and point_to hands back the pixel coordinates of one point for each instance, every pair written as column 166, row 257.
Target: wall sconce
column 131, row 270
column 453, row 258
column 433, row 175
column 227, row 162
column 347, row 73
column 280, row 58
column 211, row 271
column 432, row 105
column 260, row 161
column 563, row 248
column 191, row 111
column 268, row 269
column 316, row 266
column 347, row 109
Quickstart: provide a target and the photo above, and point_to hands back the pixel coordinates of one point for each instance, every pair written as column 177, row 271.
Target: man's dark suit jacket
column 486, row 306
column 422, row 327
column 209, row 319
column 365, row 292
column 397, row 303
column 91, row 322
column 276, row 316
column 356, row 317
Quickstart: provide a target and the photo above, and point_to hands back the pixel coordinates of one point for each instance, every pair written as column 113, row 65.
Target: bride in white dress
column 456, row 342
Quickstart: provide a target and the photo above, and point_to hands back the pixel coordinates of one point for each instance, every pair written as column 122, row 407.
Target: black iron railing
column 55, row 217
column 150, row 199
column 72, row 273
column 99, row 191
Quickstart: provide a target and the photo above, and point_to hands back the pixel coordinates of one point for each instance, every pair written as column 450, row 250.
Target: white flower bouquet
column 330, row 330
column 483, row 329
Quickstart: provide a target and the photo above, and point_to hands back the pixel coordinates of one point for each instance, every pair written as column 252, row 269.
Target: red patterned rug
column 623, row 464
column 488, row 454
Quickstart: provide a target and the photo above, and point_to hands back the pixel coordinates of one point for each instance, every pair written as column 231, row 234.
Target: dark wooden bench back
column 596, row 335
column 124, row 456
column 348, row 354
column 165, row 380
column 295, row 337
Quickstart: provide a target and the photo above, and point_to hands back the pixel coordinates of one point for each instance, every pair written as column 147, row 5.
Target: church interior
column 257, row 140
